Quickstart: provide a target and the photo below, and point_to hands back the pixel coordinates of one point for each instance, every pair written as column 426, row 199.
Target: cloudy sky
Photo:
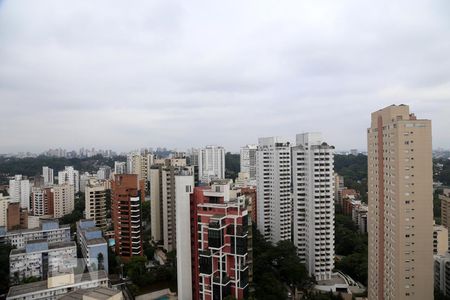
column 129, row 74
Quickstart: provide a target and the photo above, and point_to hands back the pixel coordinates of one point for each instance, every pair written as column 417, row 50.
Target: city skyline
column 177, row 74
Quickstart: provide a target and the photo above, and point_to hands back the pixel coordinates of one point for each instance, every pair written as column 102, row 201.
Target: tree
column 276, row 267
column 5, row 250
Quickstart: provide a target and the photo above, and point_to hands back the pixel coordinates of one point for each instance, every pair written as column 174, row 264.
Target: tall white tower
column 248, row 160
column 211, row 163
column 313, row 202
column 273, row 175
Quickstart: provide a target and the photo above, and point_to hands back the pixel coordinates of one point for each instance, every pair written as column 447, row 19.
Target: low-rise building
column 39, row 258
column 93, row 246
column 58, row 285
column 100, row 293
column 50, row 230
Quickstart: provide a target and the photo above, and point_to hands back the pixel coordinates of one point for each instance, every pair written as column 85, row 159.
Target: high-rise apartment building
column 273, row 175
column 211, row 163
column 70, row 176
column 139, row 164
column 127, row 196
column 4, row 202
column 42, row 202
column 19, row 191
column 400, row 224
column 248, row 161
column 63, row 200
column 445, row 208
column 162, row 193
column 95, row 202
column 313, row 204
column 212, row 241
column 120, row 167
column 104, row 173
column 47, row 173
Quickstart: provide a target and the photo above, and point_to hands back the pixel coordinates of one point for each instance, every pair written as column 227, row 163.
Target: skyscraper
column 313, row 204
column 273, row 175
column 70, row 176
column 163, row 203
column 211, row 163
column 127, row 196
column 400, row 224
column 47, row 173
column 212, row 241
column 95, row 202
column 248, row 160
column 19, row 191
column 63, row 199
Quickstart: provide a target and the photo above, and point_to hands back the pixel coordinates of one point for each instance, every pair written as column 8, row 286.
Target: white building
column 120, row 167
column 211, row 163
column 313, row 203
column 185, row 187
column 104, row 173
column 248, row 160
column 273, row 175
column 19, row 191
column 58, row 285
column 139, row 164
column 48, row 229
column 163, row 202
column 63, row 200
column 39, row 258
column 70, row 176
column 47, row 173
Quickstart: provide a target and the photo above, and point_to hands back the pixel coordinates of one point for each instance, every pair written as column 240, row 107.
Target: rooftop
column 42, row 285
column 51, row 246
column 96, row 293
column 96, row 241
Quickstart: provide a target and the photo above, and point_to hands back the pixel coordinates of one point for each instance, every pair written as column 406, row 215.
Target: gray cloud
column 126, row 75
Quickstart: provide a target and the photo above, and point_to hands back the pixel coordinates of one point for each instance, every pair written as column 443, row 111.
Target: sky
column 129, row 74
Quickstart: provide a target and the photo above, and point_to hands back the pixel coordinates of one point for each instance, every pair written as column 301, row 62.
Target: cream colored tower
column 400, row 221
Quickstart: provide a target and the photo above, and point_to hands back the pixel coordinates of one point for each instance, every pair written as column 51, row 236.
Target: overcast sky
column 130, row 74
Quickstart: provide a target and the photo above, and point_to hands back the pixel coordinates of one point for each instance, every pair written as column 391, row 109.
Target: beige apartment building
column 445, row 207
column 400, row 224
column 64, row 200
column 95, row 201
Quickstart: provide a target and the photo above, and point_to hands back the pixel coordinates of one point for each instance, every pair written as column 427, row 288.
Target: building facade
column 127, row 197
column 273, row 175
column 211, row 163
column 163, row 203
column 47, row 173
column 93, row 246
column 50, row 230
column 313, row 204
column 400, row 224
column 218, row 263
column 63, row 199
column 40, row 258
column 58, row 285
column 95, row 202
column 70, row 176
column 19, row 191
column 248, row 161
